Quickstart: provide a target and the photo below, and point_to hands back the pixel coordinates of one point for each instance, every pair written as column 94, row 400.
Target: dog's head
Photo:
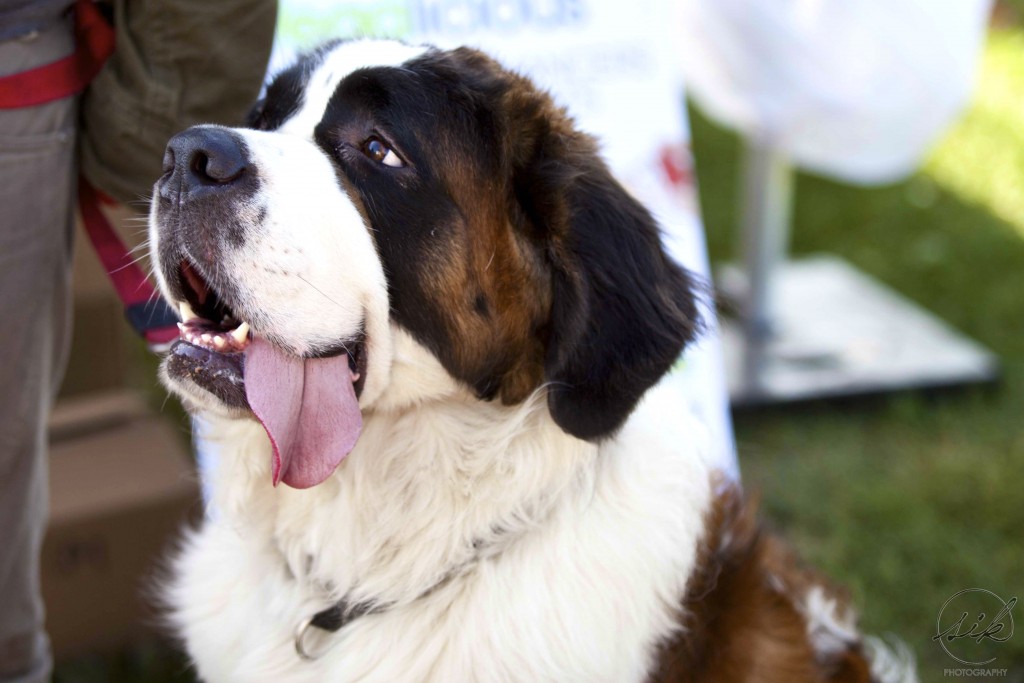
column 383, row 190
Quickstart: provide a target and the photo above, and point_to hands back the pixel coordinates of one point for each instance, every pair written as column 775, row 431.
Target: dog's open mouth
column 210, row 343
column 215, row 326
column 308, row 406
column 209, row 324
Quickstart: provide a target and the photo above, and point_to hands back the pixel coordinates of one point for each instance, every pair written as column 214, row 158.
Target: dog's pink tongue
column 308, row 407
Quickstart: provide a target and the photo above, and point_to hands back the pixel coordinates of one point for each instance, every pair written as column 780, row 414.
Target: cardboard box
column 121, row 487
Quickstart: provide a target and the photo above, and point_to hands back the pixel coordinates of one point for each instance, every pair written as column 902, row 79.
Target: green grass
column 912, row 498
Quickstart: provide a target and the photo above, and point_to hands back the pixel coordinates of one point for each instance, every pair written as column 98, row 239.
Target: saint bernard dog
column 425, row 327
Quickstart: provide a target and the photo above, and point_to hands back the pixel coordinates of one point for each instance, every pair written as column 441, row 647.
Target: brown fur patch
column 741, row 617
column 493, row 284
column 493, row 295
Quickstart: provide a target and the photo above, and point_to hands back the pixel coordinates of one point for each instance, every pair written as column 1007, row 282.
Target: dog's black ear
column 621, row 309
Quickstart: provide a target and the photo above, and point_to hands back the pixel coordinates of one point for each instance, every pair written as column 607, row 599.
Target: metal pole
column 766, row 195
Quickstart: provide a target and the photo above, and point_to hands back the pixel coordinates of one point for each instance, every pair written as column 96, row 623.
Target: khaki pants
column 37, row 192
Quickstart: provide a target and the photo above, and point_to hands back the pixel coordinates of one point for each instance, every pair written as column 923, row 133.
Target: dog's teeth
column 241, row 333
column 207, row 338
column 186, row 312
column 181, row 327
column 219, row 342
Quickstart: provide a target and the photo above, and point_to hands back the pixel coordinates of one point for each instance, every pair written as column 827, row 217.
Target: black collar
column 340, row 614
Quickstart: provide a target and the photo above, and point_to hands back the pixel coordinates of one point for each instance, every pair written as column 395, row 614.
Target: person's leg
column 37, row 190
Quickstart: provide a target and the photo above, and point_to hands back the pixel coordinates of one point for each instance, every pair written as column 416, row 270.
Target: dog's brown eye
column 381, row 153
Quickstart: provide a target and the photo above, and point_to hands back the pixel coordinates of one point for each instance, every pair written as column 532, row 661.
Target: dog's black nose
column 204, row 157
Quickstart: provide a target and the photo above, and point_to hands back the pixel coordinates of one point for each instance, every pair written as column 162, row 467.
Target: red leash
column 94, row 40
column 145, row 310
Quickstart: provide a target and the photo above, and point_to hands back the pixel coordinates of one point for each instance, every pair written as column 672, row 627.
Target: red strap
column 94, row 38
column 145, row 309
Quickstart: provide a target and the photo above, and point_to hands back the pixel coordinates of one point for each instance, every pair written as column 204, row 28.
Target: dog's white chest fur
column 501, row 548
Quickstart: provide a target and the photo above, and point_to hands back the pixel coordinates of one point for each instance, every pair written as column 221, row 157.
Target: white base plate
column 838, row 333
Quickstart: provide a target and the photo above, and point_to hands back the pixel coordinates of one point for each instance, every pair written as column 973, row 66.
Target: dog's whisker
column 131, row 263
column 320, row 291
column 152, row 299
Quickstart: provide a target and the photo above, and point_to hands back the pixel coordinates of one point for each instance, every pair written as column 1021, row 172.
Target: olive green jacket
column 176, row 63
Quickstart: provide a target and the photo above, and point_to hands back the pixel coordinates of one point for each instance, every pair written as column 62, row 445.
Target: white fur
column 583, row 550
column 832, row 629
column 336, row 65
column 891, row 662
